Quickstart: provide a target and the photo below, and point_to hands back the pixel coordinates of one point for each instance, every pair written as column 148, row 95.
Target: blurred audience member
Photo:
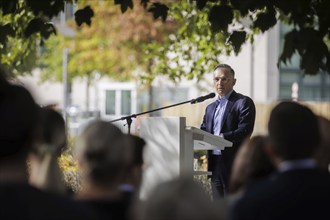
column 179, row 199
column 250, row 164
column 300, row 190
column 133, row 178
column 131, row 184
column 104, row 156
column 18, row 199
column 50, row 142
column 18, row 117
column 322, row 155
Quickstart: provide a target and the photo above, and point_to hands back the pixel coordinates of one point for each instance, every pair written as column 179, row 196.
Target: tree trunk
column 88, row 83
column 150, row 97
column 150, row 90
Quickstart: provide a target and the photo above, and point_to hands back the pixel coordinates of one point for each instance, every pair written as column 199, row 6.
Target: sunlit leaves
column 17, row 53
column 26, row 23
column 310, row 20
column 207, row 19
column 114, row 45
column 194, row 50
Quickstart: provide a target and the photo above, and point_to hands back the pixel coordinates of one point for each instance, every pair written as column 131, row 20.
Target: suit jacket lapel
column 212, row 111
column 229, row 105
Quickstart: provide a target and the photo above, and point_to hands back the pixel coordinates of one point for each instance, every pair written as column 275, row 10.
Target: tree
column 27, row 24
column 114, row 45
column 24, row 25
column 194, row 49
column 310, row 20
column 238, row 20
column 16, row 53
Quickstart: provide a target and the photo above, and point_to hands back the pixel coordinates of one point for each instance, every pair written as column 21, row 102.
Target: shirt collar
column 125, row 187
column 226, row 96
column 297, row 164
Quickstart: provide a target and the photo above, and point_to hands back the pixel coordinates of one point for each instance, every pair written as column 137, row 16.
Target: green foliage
column 193, row 50
column 84, row 15
column 265, row 19
column 220, row 17
column 159, row 11
column 16, row 54
column 238, row 21
column 51, row 60
column 124, row 4
column 114, row 45
column 237, row 38
column 209, row 28
column 310, row 20
column 24, row 25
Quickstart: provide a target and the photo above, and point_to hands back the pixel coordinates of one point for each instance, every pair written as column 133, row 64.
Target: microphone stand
column 129, row 118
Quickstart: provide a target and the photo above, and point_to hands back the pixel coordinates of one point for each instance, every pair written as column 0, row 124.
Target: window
column 118, row 102
column 311, row 88
column 110, row 102
column 126, row 102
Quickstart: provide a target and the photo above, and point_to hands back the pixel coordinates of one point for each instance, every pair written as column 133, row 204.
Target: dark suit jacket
column 296, row 194
column 110, row 208
column 238, row 124
column 22, row 201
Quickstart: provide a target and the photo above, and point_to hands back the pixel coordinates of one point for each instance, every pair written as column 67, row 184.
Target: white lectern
column 170, row 149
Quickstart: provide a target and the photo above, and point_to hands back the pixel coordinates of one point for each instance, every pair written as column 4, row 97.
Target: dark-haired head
column 293, row 131
column 103, row 153
column 225, row 66
column 138, row 145
column 18, row 116
column 50, row 133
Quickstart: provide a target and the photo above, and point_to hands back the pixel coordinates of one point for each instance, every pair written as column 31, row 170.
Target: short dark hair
column 50, row 133
column 18, row 116
column 105, row 150
column 225, row 66
column 138, row 145
column 293, row 130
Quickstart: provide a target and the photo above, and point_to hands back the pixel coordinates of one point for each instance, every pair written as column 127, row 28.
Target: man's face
column 223, row 81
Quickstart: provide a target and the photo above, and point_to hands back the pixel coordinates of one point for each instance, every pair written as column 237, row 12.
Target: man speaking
column 232, row 117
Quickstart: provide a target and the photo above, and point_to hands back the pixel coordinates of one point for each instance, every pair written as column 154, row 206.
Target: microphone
column 202, row 98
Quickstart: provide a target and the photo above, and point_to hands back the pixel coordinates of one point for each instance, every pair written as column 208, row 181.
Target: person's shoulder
column 36, row 204
column 108, row 208
column 69, row 208
column 239, row 95
column 241, row 99
column 211, row 104
column 255, row 193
